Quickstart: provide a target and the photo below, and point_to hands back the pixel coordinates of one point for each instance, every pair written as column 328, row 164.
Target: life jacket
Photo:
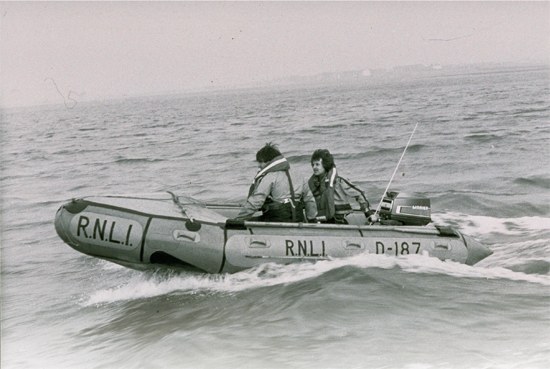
column 322, row 188
column 278, row 164
column 276, row 211
column 331, row 197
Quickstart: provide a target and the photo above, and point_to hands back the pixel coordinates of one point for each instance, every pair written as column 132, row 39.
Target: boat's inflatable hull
column 141, row 231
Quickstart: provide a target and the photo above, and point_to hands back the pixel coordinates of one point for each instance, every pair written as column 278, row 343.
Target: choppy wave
column 86, row 129
column 266, row 275
column 527, row 111
column 483, row 225
column 137, row 160
column 534, row 181
column 535, row 266
column 384, row 151
column 482, row 137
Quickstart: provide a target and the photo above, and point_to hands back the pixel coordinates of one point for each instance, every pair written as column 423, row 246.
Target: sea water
column 480, row 152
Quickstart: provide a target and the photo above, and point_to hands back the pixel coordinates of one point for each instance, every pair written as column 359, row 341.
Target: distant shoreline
column 401, row 73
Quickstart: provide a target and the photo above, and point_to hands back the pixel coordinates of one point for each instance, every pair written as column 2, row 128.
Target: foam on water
column 477, row 225
column 143, row 286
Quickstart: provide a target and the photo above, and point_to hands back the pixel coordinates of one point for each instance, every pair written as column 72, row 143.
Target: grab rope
column 179, row 204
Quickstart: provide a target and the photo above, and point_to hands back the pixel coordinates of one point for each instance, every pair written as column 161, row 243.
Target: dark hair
column 267, row 153
column 325, row 156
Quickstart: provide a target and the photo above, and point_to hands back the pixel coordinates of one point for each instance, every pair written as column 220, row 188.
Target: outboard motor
column 403, row 209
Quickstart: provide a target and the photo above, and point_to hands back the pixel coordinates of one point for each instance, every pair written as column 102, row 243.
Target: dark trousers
column 277, row 212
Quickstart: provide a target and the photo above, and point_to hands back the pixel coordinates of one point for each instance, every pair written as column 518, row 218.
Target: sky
column 99, row 50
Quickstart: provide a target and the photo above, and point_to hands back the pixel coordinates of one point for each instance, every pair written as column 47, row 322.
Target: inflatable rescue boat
column 164, row 228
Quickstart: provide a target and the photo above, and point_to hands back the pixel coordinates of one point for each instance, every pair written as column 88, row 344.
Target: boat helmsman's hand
column 372, row 218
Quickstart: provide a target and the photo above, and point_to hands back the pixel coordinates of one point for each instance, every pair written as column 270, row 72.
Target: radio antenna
column 375, row 215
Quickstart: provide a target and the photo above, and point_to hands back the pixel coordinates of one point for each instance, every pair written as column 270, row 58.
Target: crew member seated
column 332, row 192
column 273, row 193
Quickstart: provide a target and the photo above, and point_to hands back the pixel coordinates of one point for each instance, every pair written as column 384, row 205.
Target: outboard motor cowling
column 404, row 209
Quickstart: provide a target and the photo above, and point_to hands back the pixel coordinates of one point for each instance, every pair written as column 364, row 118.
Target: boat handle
column 181, row 235
column 445, row 247
column 352, row 245
column 258, row 242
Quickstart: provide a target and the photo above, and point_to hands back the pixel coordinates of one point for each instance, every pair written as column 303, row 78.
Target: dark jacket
column 332, row 194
